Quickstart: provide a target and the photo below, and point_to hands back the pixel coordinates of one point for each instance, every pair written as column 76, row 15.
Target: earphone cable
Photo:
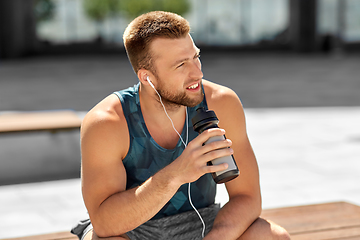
column 185, row 144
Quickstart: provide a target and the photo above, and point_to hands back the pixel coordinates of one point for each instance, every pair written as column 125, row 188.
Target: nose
column 196, row 72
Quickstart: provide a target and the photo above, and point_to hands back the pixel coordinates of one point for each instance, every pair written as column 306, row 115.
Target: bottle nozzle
column 203, row 117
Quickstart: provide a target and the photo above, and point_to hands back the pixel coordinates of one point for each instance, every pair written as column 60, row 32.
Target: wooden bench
column 335, row 221
column 39, row 146
column 39, row 121
column 339, row 220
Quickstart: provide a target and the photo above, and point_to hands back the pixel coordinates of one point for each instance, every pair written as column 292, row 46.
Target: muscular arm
column 114, row 210
column 244, row 204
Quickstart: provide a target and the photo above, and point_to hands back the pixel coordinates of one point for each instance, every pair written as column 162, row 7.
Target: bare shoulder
column 221, row 98
column 105, row 122
column 107, row 111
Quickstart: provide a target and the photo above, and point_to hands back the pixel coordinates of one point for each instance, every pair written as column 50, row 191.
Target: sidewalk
column 262, row 80
column 305, row 156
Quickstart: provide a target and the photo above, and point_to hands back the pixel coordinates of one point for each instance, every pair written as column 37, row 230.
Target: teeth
column 194, row 86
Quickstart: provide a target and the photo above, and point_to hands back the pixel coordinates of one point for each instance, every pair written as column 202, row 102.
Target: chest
column 165, row 137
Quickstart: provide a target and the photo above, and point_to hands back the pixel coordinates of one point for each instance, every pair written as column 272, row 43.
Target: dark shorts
column 181, row 226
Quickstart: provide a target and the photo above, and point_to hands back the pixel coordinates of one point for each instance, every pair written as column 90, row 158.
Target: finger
column 224, row 152
column 204, row 136
column 216, row 168
column 219, row 153
column 216, row 145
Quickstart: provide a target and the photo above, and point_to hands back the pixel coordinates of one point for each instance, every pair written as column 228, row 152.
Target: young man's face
column 178, row 71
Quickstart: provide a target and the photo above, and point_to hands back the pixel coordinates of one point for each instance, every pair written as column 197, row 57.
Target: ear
column 142, row 74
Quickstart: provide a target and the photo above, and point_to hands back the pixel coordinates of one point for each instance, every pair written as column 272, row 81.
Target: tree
column 133, row 8
column 99, row 10
column 43, row 10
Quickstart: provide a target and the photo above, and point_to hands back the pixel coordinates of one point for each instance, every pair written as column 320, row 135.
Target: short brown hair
column 144, row 29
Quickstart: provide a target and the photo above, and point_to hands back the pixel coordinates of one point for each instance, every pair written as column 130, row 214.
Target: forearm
column 235, row 217
column 126, row 210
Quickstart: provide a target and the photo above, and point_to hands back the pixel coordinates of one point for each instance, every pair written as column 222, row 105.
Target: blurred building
column 304, row 26
column 230, row 22
column 17, row 28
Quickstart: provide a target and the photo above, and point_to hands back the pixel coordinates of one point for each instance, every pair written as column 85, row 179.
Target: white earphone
column 148, row 79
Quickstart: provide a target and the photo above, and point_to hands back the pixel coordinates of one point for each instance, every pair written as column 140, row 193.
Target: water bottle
column 207, row 119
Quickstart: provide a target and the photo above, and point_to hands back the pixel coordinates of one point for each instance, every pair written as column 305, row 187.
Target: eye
column 197, row 55
column 182, row 64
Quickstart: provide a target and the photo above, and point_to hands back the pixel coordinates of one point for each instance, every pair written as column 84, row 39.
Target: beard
column 174, row 100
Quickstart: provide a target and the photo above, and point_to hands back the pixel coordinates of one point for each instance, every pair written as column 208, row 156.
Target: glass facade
column 213, row 22
column 238, row 22
column 339, row 18
column 68, row 24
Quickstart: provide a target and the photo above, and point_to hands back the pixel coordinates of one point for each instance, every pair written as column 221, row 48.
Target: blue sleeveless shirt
column 145, row 157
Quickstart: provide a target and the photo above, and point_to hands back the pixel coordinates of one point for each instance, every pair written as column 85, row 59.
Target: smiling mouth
column 196, row 85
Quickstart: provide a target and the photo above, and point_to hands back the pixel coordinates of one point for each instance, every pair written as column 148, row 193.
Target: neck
column 158, row 120
column 151, row 101
column 157, row 116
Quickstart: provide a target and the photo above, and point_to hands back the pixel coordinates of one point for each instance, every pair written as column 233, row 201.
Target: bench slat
column 317, row 220
column 51, row 236
column 38, row 121
column 344, row 233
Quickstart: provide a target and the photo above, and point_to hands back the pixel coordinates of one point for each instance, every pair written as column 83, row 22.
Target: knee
column 265, row 229
column 277, row 232
column 280, row 233
column 91, row 235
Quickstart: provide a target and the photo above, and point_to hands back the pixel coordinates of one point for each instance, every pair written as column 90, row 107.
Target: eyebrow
column 186, row 59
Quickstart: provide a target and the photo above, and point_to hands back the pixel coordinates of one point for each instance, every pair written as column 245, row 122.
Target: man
column 136, row 169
